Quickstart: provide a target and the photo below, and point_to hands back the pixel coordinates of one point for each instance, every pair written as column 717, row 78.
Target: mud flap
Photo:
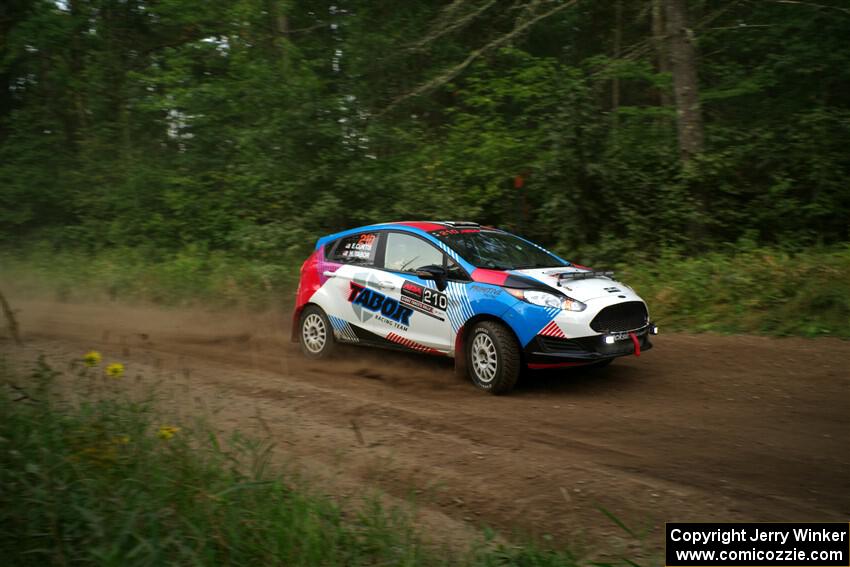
column 460, row 355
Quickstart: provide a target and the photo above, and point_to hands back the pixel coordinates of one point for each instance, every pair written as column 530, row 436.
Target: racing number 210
column 435, row 299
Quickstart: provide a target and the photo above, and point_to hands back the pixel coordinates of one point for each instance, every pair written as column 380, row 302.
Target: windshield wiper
column 409, row 262
column 534, row 266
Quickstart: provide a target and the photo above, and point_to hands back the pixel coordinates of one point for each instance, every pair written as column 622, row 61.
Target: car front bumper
column 550, row 352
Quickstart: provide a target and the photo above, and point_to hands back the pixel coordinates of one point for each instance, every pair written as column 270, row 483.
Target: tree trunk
column 280, row 25
column 662, row 58
column 618, row 41
column 77, row 119
column 9, row 17
column 10, row 318
column 685, row 85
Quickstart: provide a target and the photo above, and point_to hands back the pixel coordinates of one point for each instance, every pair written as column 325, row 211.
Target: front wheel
column 315, row 333
column 493, row 357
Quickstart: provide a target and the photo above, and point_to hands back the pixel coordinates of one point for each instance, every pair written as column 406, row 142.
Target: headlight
column 545, row 299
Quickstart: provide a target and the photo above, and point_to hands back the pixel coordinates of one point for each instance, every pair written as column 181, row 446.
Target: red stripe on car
column 552, row 330
column 392, row 337
column 426, row 226
column 495, row 277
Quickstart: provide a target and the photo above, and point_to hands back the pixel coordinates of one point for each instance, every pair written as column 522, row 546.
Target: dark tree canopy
column 256, row 125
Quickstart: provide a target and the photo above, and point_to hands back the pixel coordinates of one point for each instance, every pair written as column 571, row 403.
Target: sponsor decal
column 423, row 308
column 425, row 300
column 623, row 335
column 411, row 289
column 380, row 304
column 426, row 295
column 451, row 231
column 491, row 291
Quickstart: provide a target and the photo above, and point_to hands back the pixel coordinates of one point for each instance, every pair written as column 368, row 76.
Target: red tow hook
column 636, row 342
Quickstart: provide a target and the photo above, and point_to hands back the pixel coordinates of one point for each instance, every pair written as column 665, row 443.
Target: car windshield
column 498, row 250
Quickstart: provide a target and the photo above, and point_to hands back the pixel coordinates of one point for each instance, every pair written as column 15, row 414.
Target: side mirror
column 436, row 273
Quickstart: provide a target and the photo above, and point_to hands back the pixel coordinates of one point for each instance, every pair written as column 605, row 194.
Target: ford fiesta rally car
column 491, row 300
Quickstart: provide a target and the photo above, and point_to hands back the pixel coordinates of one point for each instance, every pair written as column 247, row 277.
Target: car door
column 424, row 324
column 353, row 288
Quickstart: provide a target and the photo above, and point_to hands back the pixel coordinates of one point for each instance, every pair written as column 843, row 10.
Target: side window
column 356, row 249
column 454, row 270
column 406, row 253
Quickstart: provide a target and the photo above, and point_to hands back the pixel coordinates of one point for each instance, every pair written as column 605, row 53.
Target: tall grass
column 754, row 290
column 94, row 480
column 742, row 290
column 183, row 277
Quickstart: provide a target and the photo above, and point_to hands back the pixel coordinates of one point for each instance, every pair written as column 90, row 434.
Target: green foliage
column 189, row 276
column 256, row 125
column 752, row 290
column 182, row 149
column 743, row 289
column 95, row 479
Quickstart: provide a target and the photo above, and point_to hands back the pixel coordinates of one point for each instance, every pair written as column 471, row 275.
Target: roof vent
column 461, row 224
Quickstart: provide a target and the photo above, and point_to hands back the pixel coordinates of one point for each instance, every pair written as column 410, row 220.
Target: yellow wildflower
column 167, row 432
column 115, row 370
column 92, row 358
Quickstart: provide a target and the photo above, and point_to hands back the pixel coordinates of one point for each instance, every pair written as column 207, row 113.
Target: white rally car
column 490, row 299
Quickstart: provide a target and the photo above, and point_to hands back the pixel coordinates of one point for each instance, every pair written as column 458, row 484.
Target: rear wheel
column 315, row 333
column 493, row 357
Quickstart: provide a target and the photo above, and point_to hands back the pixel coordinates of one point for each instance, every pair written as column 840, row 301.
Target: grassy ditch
column 91, row 476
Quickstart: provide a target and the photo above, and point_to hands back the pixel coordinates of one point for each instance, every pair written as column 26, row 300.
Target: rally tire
column 493, row 357
column 315, row 333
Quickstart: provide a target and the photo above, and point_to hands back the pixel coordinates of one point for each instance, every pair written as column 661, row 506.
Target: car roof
column 412, row 226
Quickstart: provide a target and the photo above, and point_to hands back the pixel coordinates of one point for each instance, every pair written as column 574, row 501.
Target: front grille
column 563, row 346
column 620, row 317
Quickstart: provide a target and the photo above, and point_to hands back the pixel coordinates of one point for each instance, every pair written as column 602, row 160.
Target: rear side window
column 356, row 249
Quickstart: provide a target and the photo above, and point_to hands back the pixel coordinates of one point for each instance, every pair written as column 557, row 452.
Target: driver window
column 455, row 272
column 406, row 253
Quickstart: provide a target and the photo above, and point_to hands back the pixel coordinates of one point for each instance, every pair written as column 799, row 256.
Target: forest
column 610, row 131
column 166, row 167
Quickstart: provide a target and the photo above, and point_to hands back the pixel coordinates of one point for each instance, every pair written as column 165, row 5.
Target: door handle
column 329, row 274
column 387, row 285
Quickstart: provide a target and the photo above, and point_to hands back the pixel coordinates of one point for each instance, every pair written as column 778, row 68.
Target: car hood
column 584, row 289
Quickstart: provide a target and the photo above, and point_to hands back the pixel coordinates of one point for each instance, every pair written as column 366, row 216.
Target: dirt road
column 701, row 428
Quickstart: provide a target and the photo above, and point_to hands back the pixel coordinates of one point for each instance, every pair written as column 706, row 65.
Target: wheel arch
column 463, row 336
column 295, row 332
